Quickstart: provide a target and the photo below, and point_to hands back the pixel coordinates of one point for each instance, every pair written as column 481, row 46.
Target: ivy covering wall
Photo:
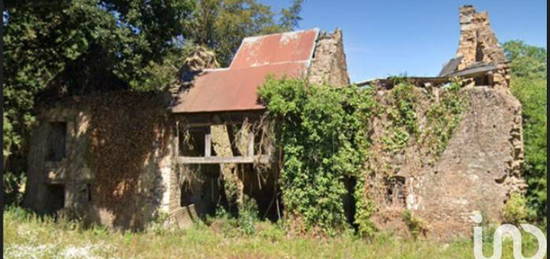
column 325, row 138
column 322, row 135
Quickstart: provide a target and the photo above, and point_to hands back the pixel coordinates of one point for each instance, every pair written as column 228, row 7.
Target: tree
column 76, row 47
column 222, row 24
column 59, row 48
column 526, row 61
column 528, row 84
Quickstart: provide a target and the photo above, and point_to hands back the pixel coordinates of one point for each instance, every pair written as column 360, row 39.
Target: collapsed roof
column 479, row 52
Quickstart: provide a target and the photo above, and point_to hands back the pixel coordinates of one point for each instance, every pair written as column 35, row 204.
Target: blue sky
column 391, row 37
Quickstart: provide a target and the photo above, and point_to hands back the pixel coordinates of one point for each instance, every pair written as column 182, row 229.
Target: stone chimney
column 478, row 43
column 329, row 60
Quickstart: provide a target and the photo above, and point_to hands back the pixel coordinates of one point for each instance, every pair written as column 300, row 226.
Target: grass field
column 27, row 236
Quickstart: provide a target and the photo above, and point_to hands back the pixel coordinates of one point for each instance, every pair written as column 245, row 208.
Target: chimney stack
column 478, row 43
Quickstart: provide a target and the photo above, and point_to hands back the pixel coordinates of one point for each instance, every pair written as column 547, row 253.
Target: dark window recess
column 482, row 80
column 89, row 191
column 55, row 197
column 395, row 191
column 349, row 200
column 192, row 141
column 56, row 141
column 479, row 51
column 186, row 197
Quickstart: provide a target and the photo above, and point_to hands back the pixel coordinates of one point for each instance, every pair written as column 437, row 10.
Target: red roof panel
column 232, row 90
column 275, row 48
column 235, row 88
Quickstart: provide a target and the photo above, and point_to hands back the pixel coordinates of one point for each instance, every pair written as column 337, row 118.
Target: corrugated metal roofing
column 235, row 88
column 275, row 48
column 232, row 90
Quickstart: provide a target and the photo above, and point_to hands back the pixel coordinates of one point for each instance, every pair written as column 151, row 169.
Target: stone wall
column 118, row 166
column 329, row 60
column 477, row 171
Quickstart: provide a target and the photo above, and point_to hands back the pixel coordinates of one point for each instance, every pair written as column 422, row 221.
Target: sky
column 392, row 37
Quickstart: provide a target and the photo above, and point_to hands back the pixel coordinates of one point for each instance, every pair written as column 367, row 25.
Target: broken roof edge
column 259, row 109
column 310, row 58
column 250, row 38
column 468, row 72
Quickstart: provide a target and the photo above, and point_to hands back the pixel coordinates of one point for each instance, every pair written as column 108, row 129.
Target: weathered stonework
column 477, row 171
column 481, row 164
column 77, row 185
column 329, row 61
column 477, row 43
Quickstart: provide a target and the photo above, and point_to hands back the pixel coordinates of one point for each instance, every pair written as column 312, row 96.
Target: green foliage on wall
column 442, row 115
column 323, row 138
column 401, row 111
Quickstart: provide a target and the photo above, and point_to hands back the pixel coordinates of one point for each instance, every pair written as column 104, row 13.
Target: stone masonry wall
column 478, row 42
column 329, row 61
column 118, row 167
column 477, row 171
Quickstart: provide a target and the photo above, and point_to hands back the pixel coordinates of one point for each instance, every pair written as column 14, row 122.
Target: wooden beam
column 223, row 160
column 250, row 144
column 208, row 144
column 216, row 118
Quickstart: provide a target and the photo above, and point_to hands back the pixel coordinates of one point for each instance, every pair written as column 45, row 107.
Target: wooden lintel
column 223, row 160
column 218, row 118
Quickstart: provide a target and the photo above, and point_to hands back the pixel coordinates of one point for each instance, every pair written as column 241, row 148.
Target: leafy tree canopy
column 61, row 47
column 221, row 24
column 529, row 68
column 526, row 60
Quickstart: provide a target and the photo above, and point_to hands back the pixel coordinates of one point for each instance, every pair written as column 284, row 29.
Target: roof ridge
column 276, row 33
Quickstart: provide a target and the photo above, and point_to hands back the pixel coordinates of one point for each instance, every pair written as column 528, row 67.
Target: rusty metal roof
column 275, row 48
column 235, row 88
column 232, row 90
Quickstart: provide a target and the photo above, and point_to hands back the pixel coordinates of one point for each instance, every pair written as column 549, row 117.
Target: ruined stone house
column 481, row 164
column 122, row 159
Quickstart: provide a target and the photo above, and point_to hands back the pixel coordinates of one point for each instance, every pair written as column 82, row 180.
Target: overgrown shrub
column 321, row 131
column 14, row 187
column 532, row 94
column 416, row 225
column 515, row 210
column 529, row 85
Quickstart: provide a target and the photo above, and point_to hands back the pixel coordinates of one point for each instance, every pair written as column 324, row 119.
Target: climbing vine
column 322, row 133
column 443, row 116
column 441, row 112
column 402, row 115
column 325, row 137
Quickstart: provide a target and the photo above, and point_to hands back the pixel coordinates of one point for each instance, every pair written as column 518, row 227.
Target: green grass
column 28, row 236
